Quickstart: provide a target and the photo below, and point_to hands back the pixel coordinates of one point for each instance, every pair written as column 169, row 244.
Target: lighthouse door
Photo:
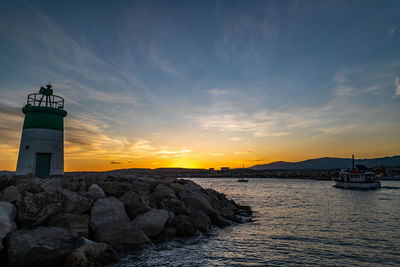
column 43, row 164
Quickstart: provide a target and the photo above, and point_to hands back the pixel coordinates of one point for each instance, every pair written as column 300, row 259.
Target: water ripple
column 296, row 223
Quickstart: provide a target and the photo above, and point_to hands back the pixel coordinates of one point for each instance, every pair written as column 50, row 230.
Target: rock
column 211, row 194
column 162, row 191
column 225, row 208
column 3, row 182
column 75, row 184
column 197, row 200
column 96, row 191
column 200, row 219
column 152, row 182
column 42, row 246
column 226, row 213
column 176, row 187
column 35, row 209
column 135, row 204
column 220, row 221
column 184, row 225
column 191, row 186
column 85, row 203
column 167, row 234
column 174, row 205
column 242, row 219
column 244, row 210
column 75, row 202
column 76, row 223
column 51, row 185
column 107, row 211
column 10, row 194
column 92, row 253
column 151, row 222
column 117, row 189
column 122, row 236
column 70, row 199
column 168, row 180
column 30, row 187
column 7, row 216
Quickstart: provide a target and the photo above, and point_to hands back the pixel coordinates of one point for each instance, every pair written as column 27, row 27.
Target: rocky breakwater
column 85, row 220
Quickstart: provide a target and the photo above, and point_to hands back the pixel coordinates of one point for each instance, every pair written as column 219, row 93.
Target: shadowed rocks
column 118, row 212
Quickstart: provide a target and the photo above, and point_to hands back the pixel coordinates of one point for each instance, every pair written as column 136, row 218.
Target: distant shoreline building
column 41, row 150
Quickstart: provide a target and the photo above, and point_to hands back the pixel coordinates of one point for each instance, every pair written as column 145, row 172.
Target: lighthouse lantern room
column 41, row 151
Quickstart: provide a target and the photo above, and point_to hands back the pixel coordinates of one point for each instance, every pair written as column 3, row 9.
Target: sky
column 203, row 84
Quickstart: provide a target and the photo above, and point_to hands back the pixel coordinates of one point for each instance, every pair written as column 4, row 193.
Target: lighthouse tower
column 42, row 142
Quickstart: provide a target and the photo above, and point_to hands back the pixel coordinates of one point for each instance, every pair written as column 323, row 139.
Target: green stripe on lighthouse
column 44, row 118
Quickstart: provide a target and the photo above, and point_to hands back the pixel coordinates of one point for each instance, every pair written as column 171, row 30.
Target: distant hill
column 328, row 163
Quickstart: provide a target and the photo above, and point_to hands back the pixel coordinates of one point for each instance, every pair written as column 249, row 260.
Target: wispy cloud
column 397, row 88
column 364, row 79
column 393, row 30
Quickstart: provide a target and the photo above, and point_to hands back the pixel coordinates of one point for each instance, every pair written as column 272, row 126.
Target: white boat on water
column 242, row 180
column 358, row 177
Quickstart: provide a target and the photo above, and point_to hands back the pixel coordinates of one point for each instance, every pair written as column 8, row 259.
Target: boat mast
column 352, row 163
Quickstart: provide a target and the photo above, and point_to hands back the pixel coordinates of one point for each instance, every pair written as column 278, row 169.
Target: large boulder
column 177, row 187
column 3, row 182
column 162, row 191
column 200, row 219
column 174, row 205
column 122, row 236
column 96, row 191
column 197, row 200
column 184, row 225
column 75, row 202
column 135, row 203
column 117, row 189
column 76, row 223
column 151, row 222
column 42, row 246
column 7, row 216
column 35, row 209
column 167, row 234
column 10, row 194
column 91, row 254
column 225, row 207
column 107, row 211
column 28, row 186
column 190, row 185
column 51, row 185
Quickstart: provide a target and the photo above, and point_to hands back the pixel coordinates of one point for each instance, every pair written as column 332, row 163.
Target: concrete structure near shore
column 41, row 150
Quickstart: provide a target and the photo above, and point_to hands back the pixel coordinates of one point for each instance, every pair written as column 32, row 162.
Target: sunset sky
column 204, row 84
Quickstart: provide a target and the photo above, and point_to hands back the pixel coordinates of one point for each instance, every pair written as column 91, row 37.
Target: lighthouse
column 41, row 151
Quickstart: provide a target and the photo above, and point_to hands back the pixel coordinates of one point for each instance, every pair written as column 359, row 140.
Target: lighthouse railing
column 41, row 100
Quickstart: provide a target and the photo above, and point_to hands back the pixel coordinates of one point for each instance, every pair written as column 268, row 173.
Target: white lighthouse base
column 37, row 142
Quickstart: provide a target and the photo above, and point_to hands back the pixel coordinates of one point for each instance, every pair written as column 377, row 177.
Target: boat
column 359, row 177
column 242, row 180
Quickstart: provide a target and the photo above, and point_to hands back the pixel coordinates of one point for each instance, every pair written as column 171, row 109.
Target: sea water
column 295, row 222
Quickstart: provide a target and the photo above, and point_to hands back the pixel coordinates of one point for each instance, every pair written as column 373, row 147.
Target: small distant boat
column 242, row 180
column 359, row 177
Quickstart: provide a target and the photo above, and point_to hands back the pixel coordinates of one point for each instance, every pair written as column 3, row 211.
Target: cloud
column 243, row 152
column 143, row 144
column 216, row 154
column 397, row 88
column 393, row 30
column 115, row 162
column 235, row 138
column 364, row 79
column 167, row 152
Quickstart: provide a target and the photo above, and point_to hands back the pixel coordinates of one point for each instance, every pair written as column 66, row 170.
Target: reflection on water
column 295, row 223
